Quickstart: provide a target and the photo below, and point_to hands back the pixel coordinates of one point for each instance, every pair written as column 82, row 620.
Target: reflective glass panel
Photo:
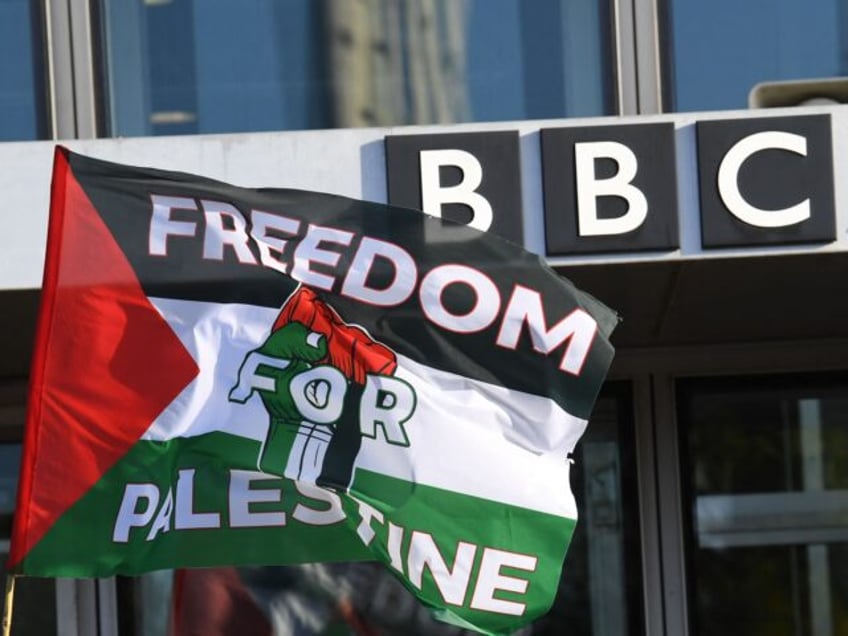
column 765, row 467
column 600, row 593
column 191, row 66
column 35, row 598
column 22, row 101
column 721, row 49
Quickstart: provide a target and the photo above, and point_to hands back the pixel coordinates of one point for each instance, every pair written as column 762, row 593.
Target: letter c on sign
column 728, row 179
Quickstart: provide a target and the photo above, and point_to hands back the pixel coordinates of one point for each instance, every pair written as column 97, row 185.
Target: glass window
column 184, row 66
column 721, row 49
column 35, row 598
column 766, row 467
column 600, row 593
column 22, row 100
column 601, row 589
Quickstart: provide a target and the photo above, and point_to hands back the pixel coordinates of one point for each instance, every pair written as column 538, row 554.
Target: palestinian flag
column 229, row 376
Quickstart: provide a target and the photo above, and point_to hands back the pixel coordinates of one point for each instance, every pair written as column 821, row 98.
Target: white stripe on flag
column 465, row 436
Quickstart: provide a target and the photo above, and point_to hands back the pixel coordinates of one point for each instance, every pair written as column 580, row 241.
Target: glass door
column 601, row 589
column 764, row 466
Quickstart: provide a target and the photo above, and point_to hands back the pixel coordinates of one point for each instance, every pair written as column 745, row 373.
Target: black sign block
column 609, row 188
column 766, row 181
column 472, row 178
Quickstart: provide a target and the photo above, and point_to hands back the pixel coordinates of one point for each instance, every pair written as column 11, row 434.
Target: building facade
column 613, row 138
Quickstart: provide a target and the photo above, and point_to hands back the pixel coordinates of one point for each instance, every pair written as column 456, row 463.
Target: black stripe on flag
column 124, row 196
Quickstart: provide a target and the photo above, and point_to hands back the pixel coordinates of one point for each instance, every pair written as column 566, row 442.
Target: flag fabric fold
column 231, row 376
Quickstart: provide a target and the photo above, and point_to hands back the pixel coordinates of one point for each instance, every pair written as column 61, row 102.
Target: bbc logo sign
column 762, row 181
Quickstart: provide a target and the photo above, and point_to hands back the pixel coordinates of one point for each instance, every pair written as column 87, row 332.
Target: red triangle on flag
column 105, row 365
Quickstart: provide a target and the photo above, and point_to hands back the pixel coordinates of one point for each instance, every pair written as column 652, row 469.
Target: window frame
column 655, row 373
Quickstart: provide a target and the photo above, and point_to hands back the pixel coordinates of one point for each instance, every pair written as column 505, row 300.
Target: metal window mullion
column 671, row 508
column 626, row 76
column 82, row 46
column 66, row 608
column 647, row 48
column 59, row 69
column 648, row 511
column 76, row 607
column 86, row 599
column 86, row 606
column 107, row 606
column 70, row 70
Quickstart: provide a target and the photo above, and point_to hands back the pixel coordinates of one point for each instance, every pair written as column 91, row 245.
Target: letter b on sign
column 609, row 188
column 470, row 178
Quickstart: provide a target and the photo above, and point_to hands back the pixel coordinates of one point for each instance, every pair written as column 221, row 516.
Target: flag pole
column 7, row 604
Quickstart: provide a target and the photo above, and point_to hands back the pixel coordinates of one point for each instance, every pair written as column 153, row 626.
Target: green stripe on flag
column 498, row 532
column 81, row 542
column 414, row 535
